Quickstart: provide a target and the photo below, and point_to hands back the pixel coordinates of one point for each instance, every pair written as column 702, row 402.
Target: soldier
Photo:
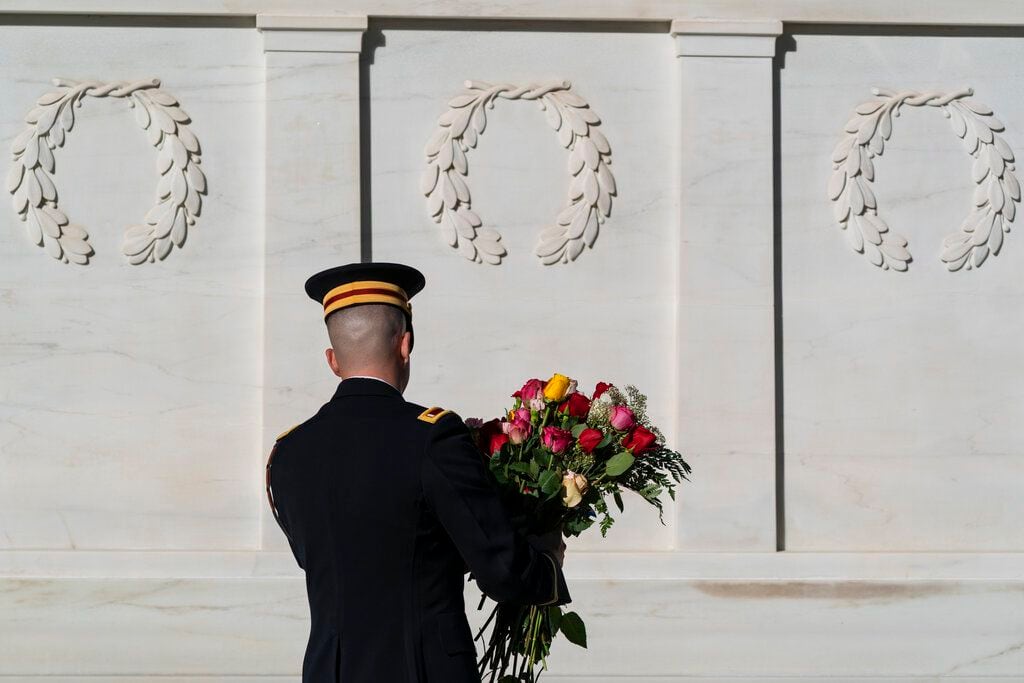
column 386, row 503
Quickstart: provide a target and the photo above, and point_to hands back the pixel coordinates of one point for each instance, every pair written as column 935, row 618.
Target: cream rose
column 575, row 486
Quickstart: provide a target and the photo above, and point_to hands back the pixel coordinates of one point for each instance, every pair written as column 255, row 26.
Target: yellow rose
column 575, row 486
column 556, row 388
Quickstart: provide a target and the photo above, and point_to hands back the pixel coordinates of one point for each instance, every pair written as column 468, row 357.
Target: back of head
column 366, row 336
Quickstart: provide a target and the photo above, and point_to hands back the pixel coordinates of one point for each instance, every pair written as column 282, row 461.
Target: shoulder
column 294, row 433
column 432, row 419
column 286, row 432
column 434, row 414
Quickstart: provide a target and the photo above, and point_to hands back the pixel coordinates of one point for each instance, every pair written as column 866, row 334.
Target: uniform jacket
column 385, row 505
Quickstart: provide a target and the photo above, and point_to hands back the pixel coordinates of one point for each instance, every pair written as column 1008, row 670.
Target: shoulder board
column 285, row 433
column 433, row 414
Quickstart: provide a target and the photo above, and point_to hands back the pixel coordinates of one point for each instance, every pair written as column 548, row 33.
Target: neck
column 389, row 376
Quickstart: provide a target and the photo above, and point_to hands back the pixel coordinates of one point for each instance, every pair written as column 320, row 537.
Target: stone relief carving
column 178, row 158
column 590, row 190
column 995, row 196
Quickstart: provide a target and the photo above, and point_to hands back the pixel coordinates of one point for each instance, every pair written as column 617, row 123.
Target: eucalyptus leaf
column 576, row 525
column 618, row 463
column 578, row 429
column 522, row 467
column 549, row 482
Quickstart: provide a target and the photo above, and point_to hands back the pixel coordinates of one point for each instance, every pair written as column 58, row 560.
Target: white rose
column 575, row 486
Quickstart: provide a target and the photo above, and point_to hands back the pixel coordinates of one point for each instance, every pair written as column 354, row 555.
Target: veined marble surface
column 903, row 391
column 257, row 627
column 137, row 404
column 927, row 12
column 129, row 396
column 580, row 564
column 483, row 330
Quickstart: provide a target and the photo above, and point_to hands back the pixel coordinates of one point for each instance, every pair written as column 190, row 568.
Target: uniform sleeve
column 456, row 486
column 273, row 508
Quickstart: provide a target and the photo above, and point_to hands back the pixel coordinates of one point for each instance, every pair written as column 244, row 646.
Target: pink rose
column 556, row 439
column 531, row 390
column 519, row 426
column 621, row 418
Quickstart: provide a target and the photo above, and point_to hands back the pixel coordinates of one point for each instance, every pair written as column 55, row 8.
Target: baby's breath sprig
column 579, row 461
column 616, row 396
column 600, row 410
column 637, row 402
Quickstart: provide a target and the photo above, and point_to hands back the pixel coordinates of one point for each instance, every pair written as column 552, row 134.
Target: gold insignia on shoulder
column 433, row 414
column 285, row 433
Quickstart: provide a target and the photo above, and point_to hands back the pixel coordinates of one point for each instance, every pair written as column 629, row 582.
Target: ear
column 406, row 346
column 332, row 361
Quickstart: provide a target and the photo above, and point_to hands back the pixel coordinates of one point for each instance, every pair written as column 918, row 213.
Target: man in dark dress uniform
column 386, row 503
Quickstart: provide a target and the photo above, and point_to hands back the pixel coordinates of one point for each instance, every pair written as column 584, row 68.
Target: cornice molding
column 309, row 33
column 980, row 13
column 710, row 38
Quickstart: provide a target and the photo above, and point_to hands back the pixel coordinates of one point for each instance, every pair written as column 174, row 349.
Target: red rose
column 531, row 390
column 490, row 437
column 638, row 440
column 600, row 388
column 497, row 441
column 589, row 438
column 576, row 405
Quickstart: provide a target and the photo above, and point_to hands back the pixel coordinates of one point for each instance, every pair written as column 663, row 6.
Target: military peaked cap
column 366, row 283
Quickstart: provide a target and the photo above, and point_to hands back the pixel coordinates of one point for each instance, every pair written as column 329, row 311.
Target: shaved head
column 366, row 335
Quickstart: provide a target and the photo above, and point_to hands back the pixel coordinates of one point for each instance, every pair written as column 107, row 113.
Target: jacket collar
column 365, row 386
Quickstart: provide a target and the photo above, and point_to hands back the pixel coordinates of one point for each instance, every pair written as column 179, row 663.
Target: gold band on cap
column 366, row 292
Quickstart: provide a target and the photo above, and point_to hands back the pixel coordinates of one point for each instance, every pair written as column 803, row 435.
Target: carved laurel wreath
column 995, row 196
column 590, row 191
column 181, row 180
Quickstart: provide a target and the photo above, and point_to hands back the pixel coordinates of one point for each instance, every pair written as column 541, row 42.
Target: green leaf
column 578, row 429
column 618, row 463
column 618, row 500
column 574, row 629
column 534, row 469
column 549, row 482
column 499, row 475
column 574, row 526
column 606, row 524
column 522, row 467
column 604, row 442
column 555, row 616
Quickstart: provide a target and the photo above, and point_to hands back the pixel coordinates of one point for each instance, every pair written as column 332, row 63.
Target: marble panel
column 129, row 395
column 903, row 398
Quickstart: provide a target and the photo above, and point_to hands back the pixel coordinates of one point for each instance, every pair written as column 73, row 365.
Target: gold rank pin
column 433, row 414
column 285, row 433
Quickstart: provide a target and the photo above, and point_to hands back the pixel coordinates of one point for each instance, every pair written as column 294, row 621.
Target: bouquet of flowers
column 557, row 457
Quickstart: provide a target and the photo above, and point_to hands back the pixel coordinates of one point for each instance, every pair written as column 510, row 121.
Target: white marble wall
column 903, row 391
column 854, row 432
column 131, row 394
